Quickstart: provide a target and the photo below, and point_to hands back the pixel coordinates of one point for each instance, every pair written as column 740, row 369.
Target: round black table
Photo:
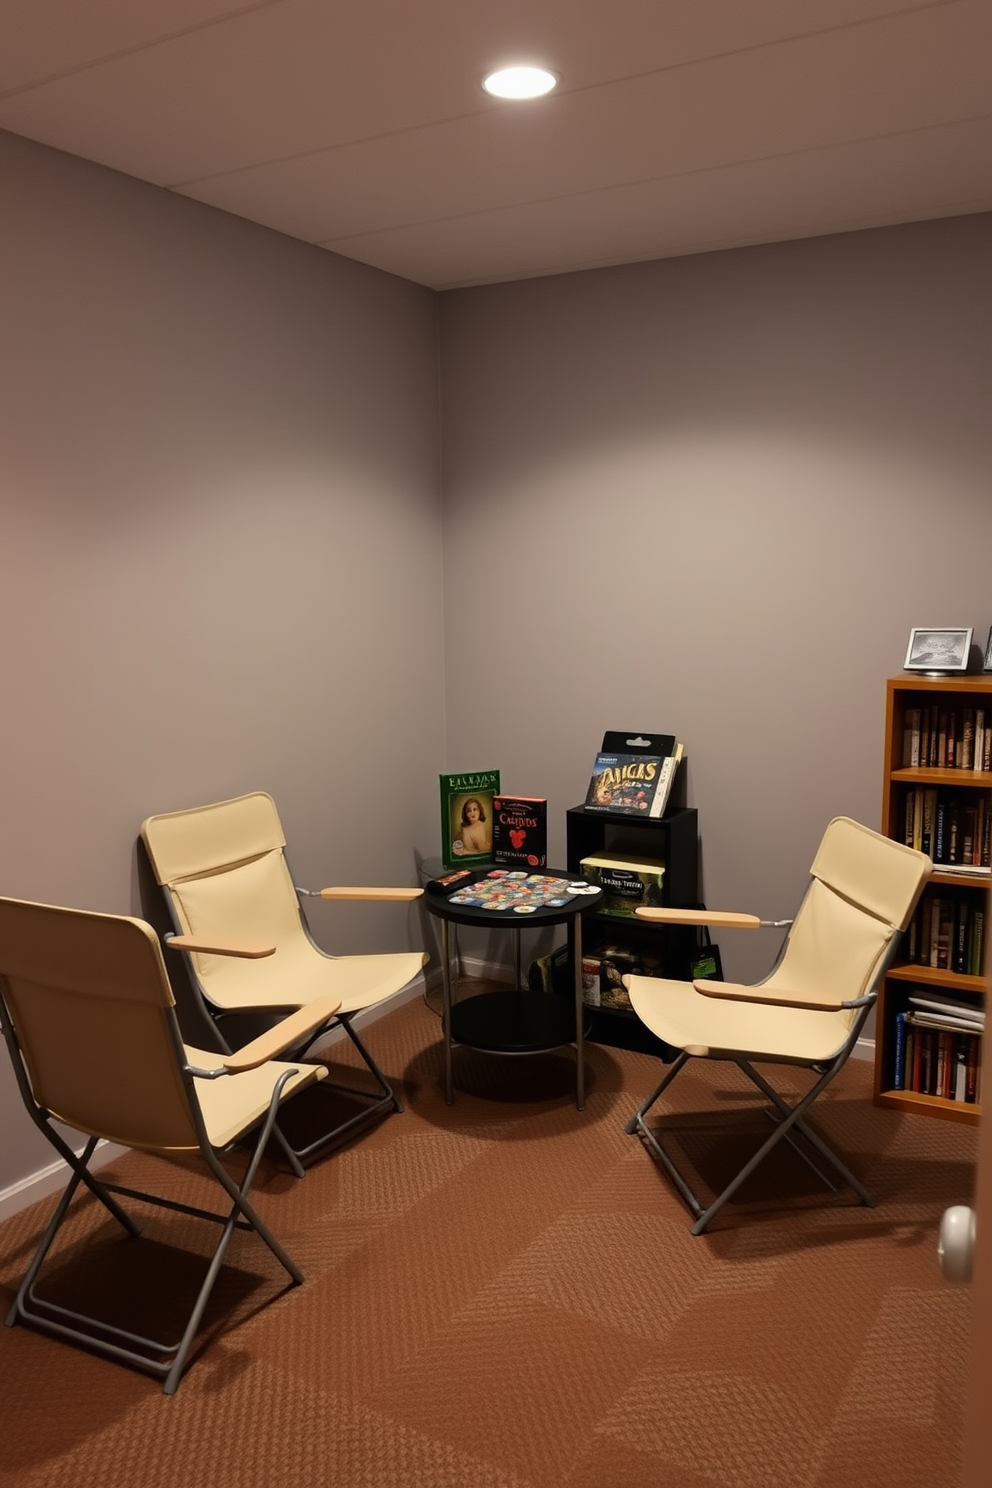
column 514, row 1020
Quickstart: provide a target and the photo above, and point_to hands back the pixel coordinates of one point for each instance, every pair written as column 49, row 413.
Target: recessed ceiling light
column 520, row 82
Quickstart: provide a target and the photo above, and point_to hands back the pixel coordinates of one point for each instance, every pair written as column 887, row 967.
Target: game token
column 525, row 909
column 517, row 875
column 555, row 903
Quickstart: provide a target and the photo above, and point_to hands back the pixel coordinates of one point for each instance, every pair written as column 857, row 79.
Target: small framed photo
column 987, row 667
column 938, row 649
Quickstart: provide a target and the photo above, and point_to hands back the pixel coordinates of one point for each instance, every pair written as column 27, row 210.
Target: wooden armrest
column 400, row 895
column 770, row 996
column 220, row 947
column 699, row 917
column 272, row 1043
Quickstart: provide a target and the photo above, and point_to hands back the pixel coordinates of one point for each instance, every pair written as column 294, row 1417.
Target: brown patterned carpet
column 505, row 1294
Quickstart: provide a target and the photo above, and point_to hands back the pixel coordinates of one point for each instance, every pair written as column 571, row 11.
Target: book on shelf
column 955, row 738
column 520, row 831
column 467, row 817
column 947, row 933
column 899, row 1053
column 952, row 827
column 929, row 1059
column 942, row 1005
column 634, row 774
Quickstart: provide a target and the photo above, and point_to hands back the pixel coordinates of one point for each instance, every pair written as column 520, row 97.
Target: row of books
column 948, row 932
column 954, row 827
column 938, row 1047
column 936, row 737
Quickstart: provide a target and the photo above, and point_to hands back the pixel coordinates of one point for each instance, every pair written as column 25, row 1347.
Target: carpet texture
column 505, row 1294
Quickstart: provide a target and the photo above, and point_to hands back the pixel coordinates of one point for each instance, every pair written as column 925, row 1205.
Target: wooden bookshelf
column 968, row 793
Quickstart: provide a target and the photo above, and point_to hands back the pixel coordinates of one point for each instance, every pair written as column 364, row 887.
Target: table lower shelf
column 513, row 1022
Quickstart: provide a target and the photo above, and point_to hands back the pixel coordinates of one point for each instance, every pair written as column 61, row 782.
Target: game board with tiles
column 503, row 892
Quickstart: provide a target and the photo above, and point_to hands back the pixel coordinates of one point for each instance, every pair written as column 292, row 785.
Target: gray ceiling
column 679, row 126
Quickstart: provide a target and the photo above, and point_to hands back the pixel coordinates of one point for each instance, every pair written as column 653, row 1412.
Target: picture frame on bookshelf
column 987, row 665
column 937, row 650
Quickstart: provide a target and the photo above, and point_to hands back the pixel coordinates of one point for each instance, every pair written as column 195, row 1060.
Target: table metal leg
column 449, row 1093
column 517, row 962
column 580, row 1041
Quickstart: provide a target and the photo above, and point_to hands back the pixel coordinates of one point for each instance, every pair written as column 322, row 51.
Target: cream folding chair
column 224, row 874
column 810, row 1009
column 89, row 1020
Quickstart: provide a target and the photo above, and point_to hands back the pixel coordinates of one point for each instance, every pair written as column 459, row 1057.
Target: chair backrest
column 224, row 872
column 90, row 1003
column 862, row 893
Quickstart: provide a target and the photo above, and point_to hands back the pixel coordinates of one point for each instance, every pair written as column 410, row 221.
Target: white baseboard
column 27, row 1191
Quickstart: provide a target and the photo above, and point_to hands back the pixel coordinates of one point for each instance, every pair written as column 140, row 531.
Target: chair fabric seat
column 234, row 1103
column 710, row 1028
column 230, row 1105
column 256, row 901
column 297, row 973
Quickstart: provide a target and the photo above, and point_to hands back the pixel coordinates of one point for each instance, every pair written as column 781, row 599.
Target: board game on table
column 503, row 891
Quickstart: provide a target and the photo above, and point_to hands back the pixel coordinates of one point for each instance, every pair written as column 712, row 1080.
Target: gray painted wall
column 708, row 494
column 714, row 494
column 219, row 505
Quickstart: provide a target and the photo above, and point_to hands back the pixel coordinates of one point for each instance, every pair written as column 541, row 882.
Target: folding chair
column 810, row 1009
column 89, row 1020
column 224, row 874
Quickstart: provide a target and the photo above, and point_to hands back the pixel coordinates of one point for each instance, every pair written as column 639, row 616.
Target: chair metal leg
column 299, row 1171
column 638, row 1117
column 384, row 1084
column 118, row 1343
column 79, row 1175
column 790, row 1117
column 785, row 1118
column 374, row 1107
column 240, row 1207
column 807, row 1131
